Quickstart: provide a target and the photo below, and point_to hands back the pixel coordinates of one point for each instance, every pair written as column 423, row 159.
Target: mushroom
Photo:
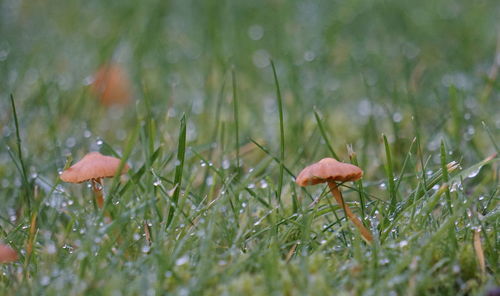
column 330, row 170
column 111, row 85
column 7, row 254
column 93, row 167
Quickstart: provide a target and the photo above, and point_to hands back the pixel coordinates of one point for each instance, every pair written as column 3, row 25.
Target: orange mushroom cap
column 328, row 169
column 93, row 166
column 7, row 254
column 112, row 85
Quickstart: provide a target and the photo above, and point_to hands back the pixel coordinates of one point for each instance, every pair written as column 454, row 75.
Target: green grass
column 231, row 100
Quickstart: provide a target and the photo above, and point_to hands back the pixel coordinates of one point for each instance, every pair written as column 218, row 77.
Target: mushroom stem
column 97, row 188
column 338, row 196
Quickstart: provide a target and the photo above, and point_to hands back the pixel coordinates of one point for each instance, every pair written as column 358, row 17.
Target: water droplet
column 309, row 56
column 471, row 130
column 45, row 280
column 222, row 262
column 261, row 58
column 397, row 117
column 383, row 186
column 145, row 249
column 255, row 32
column 474, row 173
column 99, row 142
column 70, row 142
column 51, row 249
column 182, row 260
column 171, row 112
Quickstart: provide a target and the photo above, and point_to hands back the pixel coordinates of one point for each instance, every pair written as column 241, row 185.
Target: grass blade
column 389, row 170
column 179, row 168
column 236, row 122
column 26, row 184
column 282, row 132
column 323, row 134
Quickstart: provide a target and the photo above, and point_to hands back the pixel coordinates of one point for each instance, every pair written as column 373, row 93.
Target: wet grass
column 231, row 100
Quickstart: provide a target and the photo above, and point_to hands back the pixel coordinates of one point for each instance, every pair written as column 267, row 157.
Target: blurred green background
column 422, row 70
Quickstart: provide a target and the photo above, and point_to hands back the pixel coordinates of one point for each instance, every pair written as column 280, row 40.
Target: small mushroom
column 7, row 254
column 93, row 167
column 331, row 171
column 112, row 85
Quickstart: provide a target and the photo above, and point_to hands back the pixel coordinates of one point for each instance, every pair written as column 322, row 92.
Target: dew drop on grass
column 45, row 280
column 70, row 142
column 481, row 197
column 260, row 58
column 182, row 260
column 255, row 32
column 136, row 236
column 222, row 262
column 474, row 173
column 51, row 249
column 456, row 186
column 203, row 164
column 99, row 142
column 397, row 117
column 383, row 186
column 309, row 56
column 263, row 184
column 226, row 164
column 145, row 249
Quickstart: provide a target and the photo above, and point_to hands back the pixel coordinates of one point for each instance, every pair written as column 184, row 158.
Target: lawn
column 227, row 101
